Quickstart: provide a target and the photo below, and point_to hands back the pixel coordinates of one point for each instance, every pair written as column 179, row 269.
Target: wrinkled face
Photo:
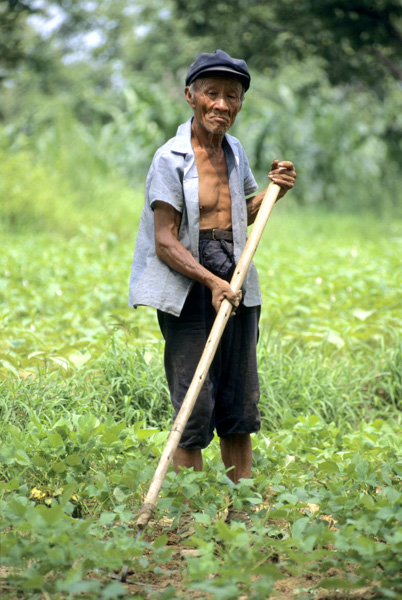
column 216, row 102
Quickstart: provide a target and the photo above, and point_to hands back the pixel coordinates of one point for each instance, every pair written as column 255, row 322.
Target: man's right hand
column 221, row 290
column 173, row 253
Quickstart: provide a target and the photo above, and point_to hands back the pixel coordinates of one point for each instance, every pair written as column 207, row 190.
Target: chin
column 218, row 127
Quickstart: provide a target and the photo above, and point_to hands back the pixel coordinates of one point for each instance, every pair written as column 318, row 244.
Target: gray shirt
column 173, row 178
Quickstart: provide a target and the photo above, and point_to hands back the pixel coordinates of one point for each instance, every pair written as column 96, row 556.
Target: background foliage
column 84, row 415
column 107, row 77
column 88, row 91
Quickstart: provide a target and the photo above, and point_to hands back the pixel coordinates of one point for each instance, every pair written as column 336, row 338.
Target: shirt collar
column 182, row 141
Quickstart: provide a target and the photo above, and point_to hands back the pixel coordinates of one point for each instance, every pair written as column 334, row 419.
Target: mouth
column 219, row 119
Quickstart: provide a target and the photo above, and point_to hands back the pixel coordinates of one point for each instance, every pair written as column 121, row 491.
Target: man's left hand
column 283, row 174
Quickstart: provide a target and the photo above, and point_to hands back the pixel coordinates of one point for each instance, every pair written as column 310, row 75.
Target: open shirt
column 173, row 178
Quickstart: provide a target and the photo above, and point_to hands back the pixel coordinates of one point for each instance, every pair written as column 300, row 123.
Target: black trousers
column 228, row 401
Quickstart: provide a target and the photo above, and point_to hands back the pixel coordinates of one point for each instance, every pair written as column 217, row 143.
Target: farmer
column 198, row 203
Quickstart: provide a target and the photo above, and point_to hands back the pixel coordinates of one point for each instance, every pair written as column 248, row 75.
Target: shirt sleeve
column 166, row 181
column 249, row 183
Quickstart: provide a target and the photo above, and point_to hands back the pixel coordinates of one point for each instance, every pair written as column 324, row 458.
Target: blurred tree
column 12, row 29
column 116, row 68
column 358, row 41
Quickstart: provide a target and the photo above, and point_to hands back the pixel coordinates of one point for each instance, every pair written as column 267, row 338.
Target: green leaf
column 107, row 518
column 332, row 583
column 269, row 570
column 80, row 587
column 299, row 527
column 50, row 515
column 39, row 461
column 203, row 518
column 329, row 466
column 160, row 541
column 9, row 367
column 73, row 460
column 288, row 498
column 34, row 582
column 362, row 470
column 224, row 531
column 60, row 360
column 362, row 315
column 142, row 434
column 10, row 486
column 113, row 590
column 119, row 495
column 385, row 513
column 79, row 360
column 392, row 494
column 59, row 467
column 335, row 339
column 14, row 430
column 55, row 440
column 22, row 458
column 109, row 438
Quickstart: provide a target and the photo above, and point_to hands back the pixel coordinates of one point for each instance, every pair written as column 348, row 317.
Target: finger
column 287, row 164
column 283, row 171
column 274, row 164
column 284, row 178
column 234, row 301
column 289, row 172
column 285, row 185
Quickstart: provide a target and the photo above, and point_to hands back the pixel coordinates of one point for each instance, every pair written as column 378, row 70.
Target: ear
column 189, row 98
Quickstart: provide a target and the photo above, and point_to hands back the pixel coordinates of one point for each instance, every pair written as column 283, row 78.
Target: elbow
column 161, row 249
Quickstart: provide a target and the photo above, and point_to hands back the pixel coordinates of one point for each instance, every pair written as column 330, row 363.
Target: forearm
column 173, row 253
column 283, row 174
column 177, row 257
column 253, row 206
column 182, row 261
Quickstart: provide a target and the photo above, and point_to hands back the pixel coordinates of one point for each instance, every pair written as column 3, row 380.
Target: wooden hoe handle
column 215, row 335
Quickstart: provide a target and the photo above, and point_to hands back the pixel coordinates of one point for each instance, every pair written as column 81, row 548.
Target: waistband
column 216, row 234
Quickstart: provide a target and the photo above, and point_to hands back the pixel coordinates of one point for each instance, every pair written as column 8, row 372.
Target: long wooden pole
column 207, row 356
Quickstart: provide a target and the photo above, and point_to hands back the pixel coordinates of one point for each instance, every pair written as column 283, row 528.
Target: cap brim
column 222, row 71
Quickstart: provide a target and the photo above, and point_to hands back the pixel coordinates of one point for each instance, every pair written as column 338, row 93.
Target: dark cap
column 219, row 63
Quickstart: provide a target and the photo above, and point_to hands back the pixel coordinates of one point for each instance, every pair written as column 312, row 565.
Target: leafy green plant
column 84, row 416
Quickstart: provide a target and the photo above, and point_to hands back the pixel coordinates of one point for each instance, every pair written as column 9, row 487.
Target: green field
column 85, row 413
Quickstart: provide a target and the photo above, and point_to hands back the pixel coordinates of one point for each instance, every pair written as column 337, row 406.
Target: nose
column 221, row 104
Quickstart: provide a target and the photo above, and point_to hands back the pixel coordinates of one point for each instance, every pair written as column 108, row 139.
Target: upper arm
column 165, row 182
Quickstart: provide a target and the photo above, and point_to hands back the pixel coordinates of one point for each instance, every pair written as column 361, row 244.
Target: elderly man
column 193, row 229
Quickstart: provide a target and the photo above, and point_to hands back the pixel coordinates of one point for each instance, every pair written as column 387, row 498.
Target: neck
column 204, row 139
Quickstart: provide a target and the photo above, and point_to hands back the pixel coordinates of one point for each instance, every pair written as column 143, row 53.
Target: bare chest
column 213, row 191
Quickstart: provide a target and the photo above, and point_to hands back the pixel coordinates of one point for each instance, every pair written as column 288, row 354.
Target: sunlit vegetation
column 88, row 91
column 85, row 414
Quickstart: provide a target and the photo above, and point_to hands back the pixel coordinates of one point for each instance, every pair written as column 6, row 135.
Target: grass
column 84, row 413
column 331, row 291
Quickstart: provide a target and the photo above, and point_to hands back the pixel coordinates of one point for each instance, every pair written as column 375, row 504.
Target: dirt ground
column 150, row 585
